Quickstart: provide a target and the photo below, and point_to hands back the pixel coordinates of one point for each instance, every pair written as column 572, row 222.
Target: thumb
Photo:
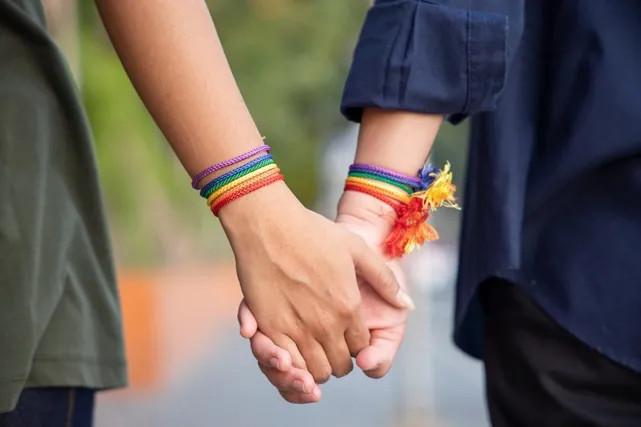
column 371, row 268
column 376, row 360
column 246, row 320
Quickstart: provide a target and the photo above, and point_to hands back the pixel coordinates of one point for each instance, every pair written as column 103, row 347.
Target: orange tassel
column 410, row 229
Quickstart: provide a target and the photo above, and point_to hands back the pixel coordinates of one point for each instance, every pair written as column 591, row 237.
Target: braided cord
column 234, row 195
column 395, row 204
column 412, row 181
column 237, row 173
column 218, row 166
column 367, row 175
column 387, row 189
column 240, row 181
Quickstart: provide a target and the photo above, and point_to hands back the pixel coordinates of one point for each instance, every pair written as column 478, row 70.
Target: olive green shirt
column 59, row 311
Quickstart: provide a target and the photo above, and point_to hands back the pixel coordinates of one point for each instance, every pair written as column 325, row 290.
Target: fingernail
column 299, row 386
column 274, row 362
column 404, row 298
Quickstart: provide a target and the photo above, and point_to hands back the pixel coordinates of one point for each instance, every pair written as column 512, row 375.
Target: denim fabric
column 52, row 407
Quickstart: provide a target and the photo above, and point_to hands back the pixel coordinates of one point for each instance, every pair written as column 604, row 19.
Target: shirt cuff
column 416, row 55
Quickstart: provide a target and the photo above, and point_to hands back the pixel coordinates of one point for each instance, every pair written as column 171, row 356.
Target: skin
column 385, row 322
column 303, row 300
column 383, row 135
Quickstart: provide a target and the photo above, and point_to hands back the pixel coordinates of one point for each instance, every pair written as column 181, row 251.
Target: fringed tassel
column 411, row 228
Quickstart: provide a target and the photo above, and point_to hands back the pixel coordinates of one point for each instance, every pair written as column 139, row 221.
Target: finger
column 287, row 344
column 376, row 360
column 294, row 380
column 357, row 335
column 294, row 397
column 338, row 356
column 316, row 360
column 371, row 267
column 246, row 320
column 269, row 354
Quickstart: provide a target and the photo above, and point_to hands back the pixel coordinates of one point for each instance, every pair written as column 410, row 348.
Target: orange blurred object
column 172, row 317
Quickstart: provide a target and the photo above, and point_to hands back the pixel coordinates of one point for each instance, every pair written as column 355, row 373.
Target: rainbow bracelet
column 234, row 174
column 230, row 162
column 242, row 180
column 412, row 198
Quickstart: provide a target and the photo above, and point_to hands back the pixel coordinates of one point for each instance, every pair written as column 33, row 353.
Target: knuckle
column 329, row 327
column 326, row 329
column 347, row 309
column 298, row 334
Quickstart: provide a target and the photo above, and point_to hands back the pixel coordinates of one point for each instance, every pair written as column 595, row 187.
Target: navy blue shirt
column 553, row 191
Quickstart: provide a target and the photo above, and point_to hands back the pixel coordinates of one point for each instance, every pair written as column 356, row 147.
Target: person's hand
column 371, row 220
column 298, row 271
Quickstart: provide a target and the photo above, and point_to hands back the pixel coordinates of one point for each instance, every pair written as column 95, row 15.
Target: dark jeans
column 538, row 374
column 52, row 407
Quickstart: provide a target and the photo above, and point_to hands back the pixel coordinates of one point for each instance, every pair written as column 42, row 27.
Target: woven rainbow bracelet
column 413, row 198
column 240, row 181
column 230, row 176
column 230, row 162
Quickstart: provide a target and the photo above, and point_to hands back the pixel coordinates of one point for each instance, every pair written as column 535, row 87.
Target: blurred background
column 188, row 365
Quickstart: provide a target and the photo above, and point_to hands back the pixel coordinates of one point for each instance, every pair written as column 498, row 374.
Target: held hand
column 371, row 220
column 297, row 272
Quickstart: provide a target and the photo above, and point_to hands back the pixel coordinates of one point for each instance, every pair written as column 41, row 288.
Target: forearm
column 174, row 58
column 397, row 140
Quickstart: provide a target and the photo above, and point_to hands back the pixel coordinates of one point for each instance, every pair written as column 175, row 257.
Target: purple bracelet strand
column 405, row 179
column 218, row 166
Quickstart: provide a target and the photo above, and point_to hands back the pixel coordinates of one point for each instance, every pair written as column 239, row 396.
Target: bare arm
column 176, row 62
column 397, row 140
column 302, row 299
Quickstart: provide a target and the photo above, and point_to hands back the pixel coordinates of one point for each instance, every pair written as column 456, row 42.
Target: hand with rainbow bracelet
column 302, row 299
column 388, row 209
column 374, row 211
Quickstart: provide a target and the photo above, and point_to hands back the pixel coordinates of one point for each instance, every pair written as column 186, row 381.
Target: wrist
column 387, row 136
column 366, row 212
column 246, row 214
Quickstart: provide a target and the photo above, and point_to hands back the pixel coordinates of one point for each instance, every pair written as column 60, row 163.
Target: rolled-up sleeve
column 425, row 56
